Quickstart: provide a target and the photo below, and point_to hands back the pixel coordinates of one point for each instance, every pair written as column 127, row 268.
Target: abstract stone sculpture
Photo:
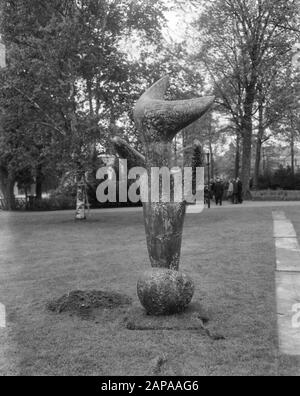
column 164, row 290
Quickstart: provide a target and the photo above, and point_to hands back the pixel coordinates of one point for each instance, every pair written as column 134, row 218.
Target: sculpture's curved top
column 160, row 120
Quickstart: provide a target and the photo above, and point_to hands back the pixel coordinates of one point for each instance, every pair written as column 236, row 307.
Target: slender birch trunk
column 81, row 198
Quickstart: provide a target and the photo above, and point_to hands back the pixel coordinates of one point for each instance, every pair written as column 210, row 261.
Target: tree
column 241, row 42
column 275, row 101
column 197, row 162
column 67, row 62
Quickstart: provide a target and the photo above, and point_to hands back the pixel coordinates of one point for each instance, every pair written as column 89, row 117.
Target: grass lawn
column 229, row 253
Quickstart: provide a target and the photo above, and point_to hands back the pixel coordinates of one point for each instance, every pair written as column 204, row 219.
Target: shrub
column 52, row 203
column 282, row 179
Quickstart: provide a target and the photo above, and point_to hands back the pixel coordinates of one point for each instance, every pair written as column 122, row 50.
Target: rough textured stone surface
column 165, row 292
column 160, row 120
column 164, row 225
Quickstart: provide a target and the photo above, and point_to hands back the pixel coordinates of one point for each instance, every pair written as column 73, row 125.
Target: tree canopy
column 74, row 69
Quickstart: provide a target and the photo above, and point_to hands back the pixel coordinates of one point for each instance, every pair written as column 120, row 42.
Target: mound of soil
column 83, row 303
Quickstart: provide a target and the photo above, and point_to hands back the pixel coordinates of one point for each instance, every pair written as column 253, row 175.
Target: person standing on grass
column 219, row 191
column 235, row 192
column 212, row 188
column 226, row 187
column 240, row 190
column 206, row 195
column 230, row 189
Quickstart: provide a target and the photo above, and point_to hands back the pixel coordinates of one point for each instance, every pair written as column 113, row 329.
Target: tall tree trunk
column 264, row 162
column 185, row 143
column 7, row 185
column 39, row 190
column 39, row 183
column 246, row 163
column 237, row 155
column 247, row 129
column 259, row 142
column 257, row 163
column 293, row 156
column 212, row 161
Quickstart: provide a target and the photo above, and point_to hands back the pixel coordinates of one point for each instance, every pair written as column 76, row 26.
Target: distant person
column 206, row 195
column 235, row 192
column 230, row 190
column 226, row 187
column 212, row 188
column 240, row 190
column 219, row 192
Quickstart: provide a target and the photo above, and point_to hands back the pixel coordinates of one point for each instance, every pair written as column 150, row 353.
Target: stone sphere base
column 165, row 292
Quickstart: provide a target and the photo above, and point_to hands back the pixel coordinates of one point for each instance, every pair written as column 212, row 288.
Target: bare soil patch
column 84, row 303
